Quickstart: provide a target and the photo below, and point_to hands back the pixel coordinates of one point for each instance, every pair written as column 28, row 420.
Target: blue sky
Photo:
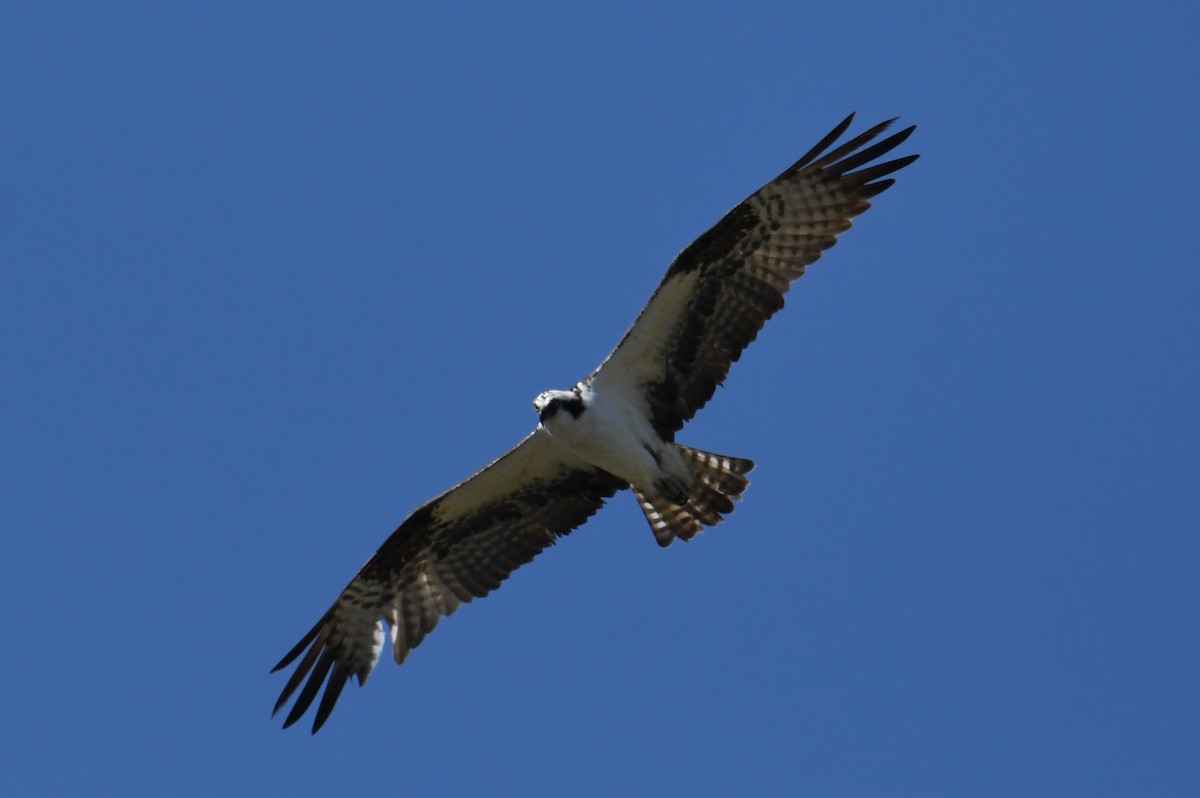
column 274, row 274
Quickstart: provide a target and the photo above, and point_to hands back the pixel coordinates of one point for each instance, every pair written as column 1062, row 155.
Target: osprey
column 614, row 430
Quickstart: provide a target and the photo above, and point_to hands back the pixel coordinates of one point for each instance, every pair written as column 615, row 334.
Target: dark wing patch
column 720, row 291
column 427, row 568
column 720, row 241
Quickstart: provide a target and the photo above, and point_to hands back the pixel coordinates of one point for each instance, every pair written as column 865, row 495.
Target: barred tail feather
column 717, row 481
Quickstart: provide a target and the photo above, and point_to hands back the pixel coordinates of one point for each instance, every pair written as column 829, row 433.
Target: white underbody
column 616, row 436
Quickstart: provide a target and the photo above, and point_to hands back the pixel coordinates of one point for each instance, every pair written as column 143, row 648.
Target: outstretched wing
column 459, row 546
column 720, row 291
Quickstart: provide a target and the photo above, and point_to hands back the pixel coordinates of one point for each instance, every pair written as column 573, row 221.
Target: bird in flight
column 614, row 430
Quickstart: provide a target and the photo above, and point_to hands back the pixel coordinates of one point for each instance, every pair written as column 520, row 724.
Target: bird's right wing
column 457, row 547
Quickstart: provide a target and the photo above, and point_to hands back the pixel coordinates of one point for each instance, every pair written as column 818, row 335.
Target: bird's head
column 549, row 403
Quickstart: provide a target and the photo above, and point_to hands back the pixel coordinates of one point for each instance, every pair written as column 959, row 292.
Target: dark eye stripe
column 573, row 406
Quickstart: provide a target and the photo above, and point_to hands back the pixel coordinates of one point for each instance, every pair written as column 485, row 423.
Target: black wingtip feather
column 305, row 699
column 823, row 144
column 297, row 677
column 879, row 170
column 875, row 189
column 289, row 657
column 314, row 641
column 849, row 157
column 847, row 150
column 337, row 681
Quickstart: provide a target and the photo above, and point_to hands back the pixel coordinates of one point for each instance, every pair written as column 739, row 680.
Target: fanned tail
column 717, row 481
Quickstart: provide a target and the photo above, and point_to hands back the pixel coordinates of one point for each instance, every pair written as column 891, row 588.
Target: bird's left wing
column 721, row 290
column 457, row 547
